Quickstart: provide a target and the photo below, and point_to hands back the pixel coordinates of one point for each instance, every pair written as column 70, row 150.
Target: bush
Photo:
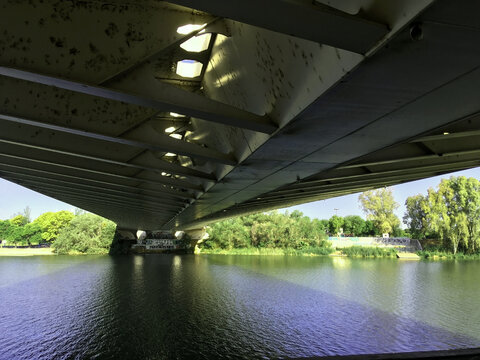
column 86, row 234
column 365, row 251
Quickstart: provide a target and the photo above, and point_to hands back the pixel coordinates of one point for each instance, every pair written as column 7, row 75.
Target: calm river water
column 183, row 307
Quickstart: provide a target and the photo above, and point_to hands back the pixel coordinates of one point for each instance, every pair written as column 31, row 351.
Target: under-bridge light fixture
column 197, row 43
column 189, row 68
column 174, row 114
column 187, row 29
column 446, row 133
column 170, row 129
column 176, row 136
column 169, row 154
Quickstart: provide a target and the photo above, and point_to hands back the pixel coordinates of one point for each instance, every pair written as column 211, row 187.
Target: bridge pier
column 122, row 241
column 195, row 237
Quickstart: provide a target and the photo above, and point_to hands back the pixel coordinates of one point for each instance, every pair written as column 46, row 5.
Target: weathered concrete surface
column 367, row 94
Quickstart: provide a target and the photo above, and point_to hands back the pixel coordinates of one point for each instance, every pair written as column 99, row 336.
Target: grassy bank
column 310, row 251
column 353, row 251
column 443, row 255
column 25, row 252
column 368, row 251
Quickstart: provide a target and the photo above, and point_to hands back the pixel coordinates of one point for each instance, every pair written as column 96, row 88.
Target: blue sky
column 14, row 198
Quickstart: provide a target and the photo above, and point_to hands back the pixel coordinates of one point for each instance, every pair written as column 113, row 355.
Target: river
column 212, row 306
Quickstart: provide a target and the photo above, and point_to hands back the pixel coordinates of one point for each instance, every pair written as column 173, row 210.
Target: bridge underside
column 117, row 108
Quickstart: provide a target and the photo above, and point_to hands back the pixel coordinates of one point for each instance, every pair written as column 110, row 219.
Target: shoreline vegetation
column 446, row 222
column 353, row 251
column 57, row 233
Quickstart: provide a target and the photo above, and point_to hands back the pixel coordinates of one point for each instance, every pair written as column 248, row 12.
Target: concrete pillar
column 122, row 241
column 195, row 237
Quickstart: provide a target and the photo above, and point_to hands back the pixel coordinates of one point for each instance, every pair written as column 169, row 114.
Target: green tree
column 454, row 212
column 416, row 217
column 354, row 225
column 19, row 220
column 334, row 224
column 87, row 233
column 5, row 226
column 52, row 223
column 379, row 205
column 266, row 230
column 370, row 229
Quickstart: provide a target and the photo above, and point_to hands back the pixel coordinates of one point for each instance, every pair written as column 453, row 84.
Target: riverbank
column 26, row 251
column 312, row 251
column 353, row 251
column 442, row 255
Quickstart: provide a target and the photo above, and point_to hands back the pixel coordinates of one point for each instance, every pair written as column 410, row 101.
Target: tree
column 52, row 223
column 19, row 220
column 5, row 226
column 334, row 224
column 379, row 205
column 454, row 212
column 87, row 233
column 354, row 225
column 416, row 217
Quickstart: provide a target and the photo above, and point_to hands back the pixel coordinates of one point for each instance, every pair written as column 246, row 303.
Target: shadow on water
column 172, row 306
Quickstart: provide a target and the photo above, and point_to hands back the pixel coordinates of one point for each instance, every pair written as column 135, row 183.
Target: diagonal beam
column 162, row 165
column 167, row 193
column 301, row 18
column 160, row 96
column 49, row 189
column 74, row 198
column 167, row 181
column 158, row 142
column 18, row 174
column 411, row 158
column 144, row 176
column 447, row 136
column 93, row 192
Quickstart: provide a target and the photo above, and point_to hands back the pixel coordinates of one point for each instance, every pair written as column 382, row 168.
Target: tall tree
column 52, row 222
column 454, row 211
column 335, row 224
column 379, row 205
column 416, row 217
column 354, row 225
column 19, row 220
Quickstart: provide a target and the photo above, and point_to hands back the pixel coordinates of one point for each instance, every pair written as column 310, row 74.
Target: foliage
column 272, row 230
column 86, row 234
column 5, row 226
column 379, row 205
column 309, row 251
column 366, row 251
column 440, row 254
column 25, row 217
column 52, row 223
column 335, row 223
column 354, row 225
column 19, row 220
column 454, row 212
column 415, row 216
column 29, row 234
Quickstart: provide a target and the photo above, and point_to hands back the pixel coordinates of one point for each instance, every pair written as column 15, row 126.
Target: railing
column 39, row 246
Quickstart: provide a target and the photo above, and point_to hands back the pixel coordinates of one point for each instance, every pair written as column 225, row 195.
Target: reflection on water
column 171, row 306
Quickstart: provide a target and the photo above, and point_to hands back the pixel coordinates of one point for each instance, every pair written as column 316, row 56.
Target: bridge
column 174, row 114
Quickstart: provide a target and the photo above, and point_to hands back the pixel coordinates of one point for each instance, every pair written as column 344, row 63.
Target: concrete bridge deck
column 117, row 108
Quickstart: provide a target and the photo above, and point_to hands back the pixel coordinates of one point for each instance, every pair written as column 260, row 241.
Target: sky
column 14, row 198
